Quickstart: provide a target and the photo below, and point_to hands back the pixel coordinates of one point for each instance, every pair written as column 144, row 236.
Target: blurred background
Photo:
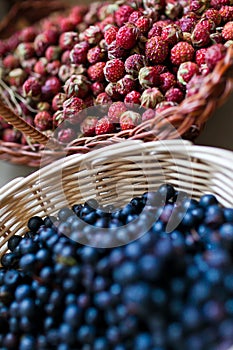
column 218, row 131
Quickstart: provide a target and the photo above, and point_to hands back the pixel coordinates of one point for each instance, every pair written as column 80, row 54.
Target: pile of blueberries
column 161, row 291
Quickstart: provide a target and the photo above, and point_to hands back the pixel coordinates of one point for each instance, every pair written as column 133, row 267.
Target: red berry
column 77, row 85
column 129, row 120
column 115, row 111
column 167, row 80
column 156, row 30
column 227, row 31
column 65, row 58
column 67, row 40
column 53, row 67
column 25, row 51
column 10, row 62
column 92, row 35
column 79, row 53
column 43, row 121
column 115, row 51
column 97, row 88
column 200, row 36
column 126, row 84
column 217, row 4
column 135, row 15
column 96, row 71
column 41, row 66
column 174, row 95
column 71, row 108
column 28, row 34
column 133, row 97
column 151, row 97
column 134, row 63
column 51, row 87
column 114, row 70
column 194, row 85
column 58, row 101
column 163, row 106
column 213, row 15
column 186, row 71
column 17, row 77
column 156, row 50
column 88, row 126
column 122, row 14
column 95, row 54
column 66, row 135
column 104, row 126
column 188, row 22
column 52, row 53
column 172, row 34
column 214, row 54
column 144, row 24
column 148, row 115
column 226, row 13
column 67, row 25
column 32, row 88
column 181, row 52
column 148, row 77
column 200, row 56
column 173, row 9
column 127, row 36
column 111, row 90
column 110, row 34
column 103, row 99
column 43, row 106
column 198, row 6
column 11, row 135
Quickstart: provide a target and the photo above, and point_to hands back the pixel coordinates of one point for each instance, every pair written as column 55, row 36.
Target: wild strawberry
column 181, row 52
column 174, row 95
column 226, row 13
column 115, row 51
column 148, row 77
column 25, row 51
column 89, row 101
column 65, row 57
column 53, row 67
column 52, row 53
column 67, row 25
column 126, row 84
column 148, row 115
column 79, row 53
column 66, row 135
column 173, row 9
column 217, row 4
column 115, row 111
column 214, row 54
column 77, row 85
column 134, row 63
column 133, row 98
column 110, row 34
column 204, row 70
column 216, row 38
column 41, row 66
column 32, row 88
column 129, row 120
column 103, row 99
column 104, row 126
column 92, row 35
column 194, row 85
column 3, row 48
column 108, row 21
column 58, row 101
column 12, row 42
column 213, row 15
column 114, row 70
column 28, row 34
column 10, row 62
column 97, row 88
column 156, row 50
column 172, row 34
column 43, row 106
column 200, row 37
column 43, row 121
column 111, row 90
column 122, row 15
column 67, row 40
column 200, row 56
column 144, row 24
column 188, row 22
column 167, row 81
column 227, row 31
column 186, row 71
column 96, row 71
column 156, row 30
column 127, row 36
column 51, row 87
column 151, row 97
column 95, row 54
column 198, row 6
column 163, row 106
column 160, row 69
column 11, row 135
column 17, row 77
column 71, row 109
column 135, row 15
column 88, row 126
column 44, row 40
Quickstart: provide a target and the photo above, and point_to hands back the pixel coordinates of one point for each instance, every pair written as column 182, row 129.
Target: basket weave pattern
column 115, row 174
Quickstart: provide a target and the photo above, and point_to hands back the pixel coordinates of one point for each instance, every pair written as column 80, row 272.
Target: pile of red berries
column 150, row 53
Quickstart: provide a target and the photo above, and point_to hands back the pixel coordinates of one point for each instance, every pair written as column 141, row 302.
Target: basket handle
column 21, row 125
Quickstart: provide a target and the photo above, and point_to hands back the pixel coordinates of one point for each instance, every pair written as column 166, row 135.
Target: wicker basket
column 188, row 118
column 114, row 175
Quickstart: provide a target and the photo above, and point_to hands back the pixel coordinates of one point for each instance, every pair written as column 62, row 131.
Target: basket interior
column 114, row 175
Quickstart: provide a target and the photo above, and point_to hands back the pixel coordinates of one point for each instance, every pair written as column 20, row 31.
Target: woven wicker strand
column 114, row 175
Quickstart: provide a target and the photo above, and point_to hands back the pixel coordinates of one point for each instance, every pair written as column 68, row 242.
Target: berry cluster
column 140, row 52
column 168, row 291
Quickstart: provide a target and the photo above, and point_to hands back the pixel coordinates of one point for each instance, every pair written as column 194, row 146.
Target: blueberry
column 143, row 341
column 91, row 218
column 12, row 278
column 27, row 342
column 166, row 192
column 64, row 213
column 27, row 307
column 101, row 344
column 28, row 245
column 226, row 232
column 66, row 334
column 35, row 223
column 9, row 260
column 91, row 315
column 13, row 242
column 86, row 334
column 72, row 315
column 214, row 216
column 102, row 299
column 126, row 273
column 149, row 267
column 92, row 203
column 207, row 200
column 228, row 214
column 49, row 221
